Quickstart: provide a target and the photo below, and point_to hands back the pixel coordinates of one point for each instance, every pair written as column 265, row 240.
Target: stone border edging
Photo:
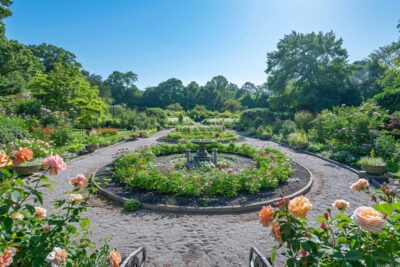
column 235, row 209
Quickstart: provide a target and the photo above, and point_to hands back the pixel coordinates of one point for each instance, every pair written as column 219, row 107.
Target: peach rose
column 276, row 231
column 299, row 206
column 115, row 258
column 341, row 204
column 79, row 181
column 7, row 258
column 369, row 219
column 4, row 160
column 359, row 185
column 57, row 257
column 22, row 155
column 40, row 213
column 54, row 164
column 17, row 216
column 266, row 215
column 75, row 197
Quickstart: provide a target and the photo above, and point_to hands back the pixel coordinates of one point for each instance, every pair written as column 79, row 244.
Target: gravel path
column 198, row 240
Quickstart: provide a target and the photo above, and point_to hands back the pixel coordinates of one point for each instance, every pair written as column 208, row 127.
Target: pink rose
column 79, row 181
column 369, row 219
column 54, row 164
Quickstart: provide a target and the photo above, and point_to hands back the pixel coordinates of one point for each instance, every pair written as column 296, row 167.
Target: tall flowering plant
column 31, row 236
column 368, row 237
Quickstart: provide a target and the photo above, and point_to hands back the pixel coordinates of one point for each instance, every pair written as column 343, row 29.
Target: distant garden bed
column 187, row 133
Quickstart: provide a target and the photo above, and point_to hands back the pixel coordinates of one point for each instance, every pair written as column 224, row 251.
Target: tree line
column 306, row 72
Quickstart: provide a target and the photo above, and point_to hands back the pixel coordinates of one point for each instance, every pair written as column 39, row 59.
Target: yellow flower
column 359, row 185
column 299, row 206
column 369, row 219
column 266, row 215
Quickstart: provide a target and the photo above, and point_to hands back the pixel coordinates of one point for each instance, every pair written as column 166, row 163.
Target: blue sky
column 196, row 39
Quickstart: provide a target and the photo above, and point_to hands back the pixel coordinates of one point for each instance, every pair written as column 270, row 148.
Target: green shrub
column 61, row 136
column 297, row 137
column 372, row 161
column 255, row 117
column 303, row 119
column 132, row 204
column 287, row 128
column 11, row 129
column 31, row 107
column 385, row 146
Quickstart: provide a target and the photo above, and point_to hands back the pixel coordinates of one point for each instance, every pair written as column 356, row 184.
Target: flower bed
column 139, row 170
column 201, row 132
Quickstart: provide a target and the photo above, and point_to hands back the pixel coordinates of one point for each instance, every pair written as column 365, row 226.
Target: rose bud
column 324, row 225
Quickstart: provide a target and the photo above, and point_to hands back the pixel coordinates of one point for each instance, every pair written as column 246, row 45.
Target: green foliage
column 65, row 89
column 232, row 105
column 309, row 71
column 287, row 128
column 35, row 234
column 17, row 66
column 175, row 107
column 31, row 107
column 297, row 138
column 341, row 239
column 255, row 117
column 303, row 120
column 11, row 129
column 121, row 87
column 139, row 170
column 132, row 204
column 188, row 133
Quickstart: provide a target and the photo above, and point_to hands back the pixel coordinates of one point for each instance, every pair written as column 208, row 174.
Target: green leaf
column 353, row 255
column 84, row 223
column 384, row 208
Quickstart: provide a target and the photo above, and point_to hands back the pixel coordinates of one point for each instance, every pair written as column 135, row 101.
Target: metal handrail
column 256, row 259
column 133, row 260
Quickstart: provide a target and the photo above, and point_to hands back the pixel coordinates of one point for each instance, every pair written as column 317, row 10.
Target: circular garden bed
column 244, row 178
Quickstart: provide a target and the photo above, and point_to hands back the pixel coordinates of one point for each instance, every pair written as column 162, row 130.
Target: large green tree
column 17, row 66
column 4, row 13
column 64, row 88
column 310, row 71
column 122, row 87
column 50, row 55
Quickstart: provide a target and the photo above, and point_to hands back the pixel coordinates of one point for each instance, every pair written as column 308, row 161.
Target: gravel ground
column 198, row 240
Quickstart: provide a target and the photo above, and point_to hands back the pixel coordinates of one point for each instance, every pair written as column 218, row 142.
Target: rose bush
column 368, row 237
column 32, row 236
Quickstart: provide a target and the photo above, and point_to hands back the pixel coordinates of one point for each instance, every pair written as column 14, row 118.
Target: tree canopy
column 310, row 71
